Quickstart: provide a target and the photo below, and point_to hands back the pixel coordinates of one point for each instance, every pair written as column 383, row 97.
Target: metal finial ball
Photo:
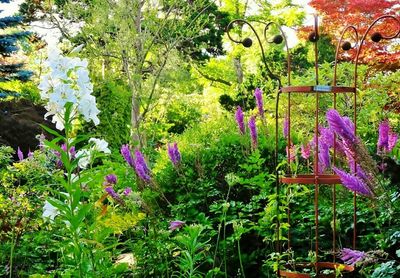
column 346, row 46
column 376, row 37
column 277, row 39
column 313, row 37
column 247, row 42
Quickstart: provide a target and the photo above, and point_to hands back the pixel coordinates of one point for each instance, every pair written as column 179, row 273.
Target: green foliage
column 114, row 101
column 167, row 60
column 192, row 251
column 386, row 270
column 6, row 154
column 22, row 193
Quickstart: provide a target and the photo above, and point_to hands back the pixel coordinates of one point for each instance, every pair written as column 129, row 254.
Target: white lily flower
column 84, row 156
column 100, row 145
column 67, row 80
column 49, row 211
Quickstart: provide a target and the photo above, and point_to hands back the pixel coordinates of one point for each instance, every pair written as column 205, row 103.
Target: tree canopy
column 11, row 68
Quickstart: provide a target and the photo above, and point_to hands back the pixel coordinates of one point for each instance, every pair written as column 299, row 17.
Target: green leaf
column 52, row 131
column 61, row 206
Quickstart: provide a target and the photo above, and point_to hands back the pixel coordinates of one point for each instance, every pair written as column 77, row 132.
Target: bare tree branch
column 209, row 77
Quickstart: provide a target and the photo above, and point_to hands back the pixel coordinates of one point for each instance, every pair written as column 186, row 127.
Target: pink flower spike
column 291, row 153
column 173, row 225
column 392, row 141
column 306, row 151
column 20, row 154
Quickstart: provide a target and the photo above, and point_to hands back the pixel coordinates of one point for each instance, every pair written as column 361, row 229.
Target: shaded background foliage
column 192, row 80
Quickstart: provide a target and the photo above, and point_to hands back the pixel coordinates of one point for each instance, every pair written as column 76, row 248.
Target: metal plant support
column 315, row 90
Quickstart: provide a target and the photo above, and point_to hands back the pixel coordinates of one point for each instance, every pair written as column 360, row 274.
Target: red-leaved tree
column 336, row 15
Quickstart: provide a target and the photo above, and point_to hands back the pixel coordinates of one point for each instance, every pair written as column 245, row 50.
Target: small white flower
column 49, row 211
column 100, row 145
column 84, row 156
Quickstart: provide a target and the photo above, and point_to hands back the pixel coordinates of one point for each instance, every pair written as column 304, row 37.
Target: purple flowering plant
column 362, row 178
column 140, row 166
column 114, row 195
column 353, row 182
column 351, row 257
column 387, row 139
column 239, row 117
column 59, row 154
column 138, row 163
column 174, row 154
column 259, row 101
column 176, row 224
column 127, row 191
column 110, row 179
column 126, row 153
column 286, row 127
column 253, row 132
column 20, row 154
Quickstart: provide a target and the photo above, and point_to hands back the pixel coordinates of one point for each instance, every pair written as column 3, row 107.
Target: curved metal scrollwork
column 247, row 42
column 346, row 46
column 375, row 37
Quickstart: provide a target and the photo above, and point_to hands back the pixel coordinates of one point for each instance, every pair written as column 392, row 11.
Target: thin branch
column 153, row 88
column 209, row 77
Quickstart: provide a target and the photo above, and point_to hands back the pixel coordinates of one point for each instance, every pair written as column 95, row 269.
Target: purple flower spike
column 30, row 153
column 253, row 131
column 326, row 136
column 240, row 120
column 392, row 141
column 349, row 124
column 259, row 101
column 20, row 154
column 383, row 139
column 72, row 154
column 127, row 191
column 140, row 159
column 72, row 151
column 358, row 171
column 350, row 256
column 126, row 153
column 140, row 166
column 305, row 151
column 110, row 179
column 341, row 125
column 41, row 139
column 323, row 156
column 174, row 154
column 110, row 191
column 173, row 225
column 352, row 182
column 286, row 127
column 387, row 139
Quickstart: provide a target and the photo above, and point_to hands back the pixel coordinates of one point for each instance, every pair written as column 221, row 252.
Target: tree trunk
column 135, row 77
